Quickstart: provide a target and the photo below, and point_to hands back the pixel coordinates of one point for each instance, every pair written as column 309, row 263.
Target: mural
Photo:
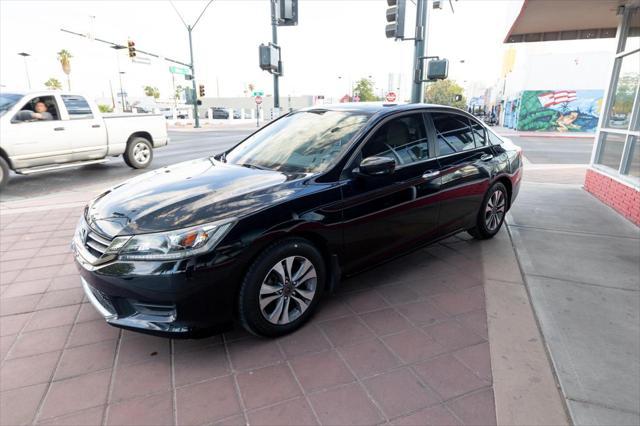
column 560, row 110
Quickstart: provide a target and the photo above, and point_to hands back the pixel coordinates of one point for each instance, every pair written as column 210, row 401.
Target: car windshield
column 302, row 142
column 7, row 100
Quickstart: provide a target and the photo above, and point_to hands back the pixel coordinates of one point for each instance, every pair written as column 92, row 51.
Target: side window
column 77, row 107
column 40, row 108
column 403, row 139
column 453, row 132
column 494, row 139
column 479, row 134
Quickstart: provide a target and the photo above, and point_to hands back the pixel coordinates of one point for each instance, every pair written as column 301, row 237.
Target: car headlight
column 171, row 245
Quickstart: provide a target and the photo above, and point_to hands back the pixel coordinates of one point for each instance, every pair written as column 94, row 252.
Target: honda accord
column 255, row 235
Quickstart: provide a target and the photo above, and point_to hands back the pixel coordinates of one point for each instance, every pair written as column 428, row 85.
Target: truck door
column 84, row 128
column 37, row 141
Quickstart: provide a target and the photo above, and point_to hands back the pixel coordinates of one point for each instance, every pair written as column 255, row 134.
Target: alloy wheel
column 494, row 212
column 141, row 153
column 288, row 290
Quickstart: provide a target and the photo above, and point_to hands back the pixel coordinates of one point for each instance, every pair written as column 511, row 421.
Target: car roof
column 378, row 108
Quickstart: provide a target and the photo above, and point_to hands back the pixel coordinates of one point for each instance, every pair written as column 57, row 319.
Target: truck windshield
column 302, row 142
column 7, row 100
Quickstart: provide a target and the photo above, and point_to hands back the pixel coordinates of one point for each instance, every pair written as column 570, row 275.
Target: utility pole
column 193, row 72
column 193, row 81
column 274, row 40
column 420, row 47
column 26, row 67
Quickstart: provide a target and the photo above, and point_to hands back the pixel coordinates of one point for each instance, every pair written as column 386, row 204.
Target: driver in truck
column 41, row 112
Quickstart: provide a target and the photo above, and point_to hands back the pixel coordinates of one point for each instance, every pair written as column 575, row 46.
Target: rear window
column 77, row 107
column 453, row 132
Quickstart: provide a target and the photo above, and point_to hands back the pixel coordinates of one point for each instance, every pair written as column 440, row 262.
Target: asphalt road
column 190, row 145
column 555, row 150
column 183, row 146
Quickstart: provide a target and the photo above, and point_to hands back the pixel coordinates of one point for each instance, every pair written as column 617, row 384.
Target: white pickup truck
column 51, row 130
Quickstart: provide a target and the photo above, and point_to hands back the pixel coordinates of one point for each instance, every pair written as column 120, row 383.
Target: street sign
column 178, row 70
column 257, row 93
column 391, row 96
column 258, row 100
column 141, row 60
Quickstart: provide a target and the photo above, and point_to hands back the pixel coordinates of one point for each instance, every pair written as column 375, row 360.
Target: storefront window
column 611, row 151
column 634, row 158
column 625, row 92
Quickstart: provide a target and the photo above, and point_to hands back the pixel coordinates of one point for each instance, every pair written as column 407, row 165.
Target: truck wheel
column 4, row 173
column 139, row 153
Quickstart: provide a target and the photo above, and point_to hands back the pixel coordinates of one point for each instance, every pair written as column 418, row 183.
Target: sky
column 336, row 42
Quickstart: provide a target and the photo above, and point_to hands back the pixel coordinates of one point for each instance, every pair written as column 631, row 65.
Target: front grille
column 96, row 244
column 91, row 245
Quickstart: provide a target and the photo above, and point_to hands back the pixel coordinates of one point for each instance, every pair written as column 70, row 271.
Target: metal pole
column 113, row 100
column 193, row 80
column 124, row 104
column 274, row 38
column 26, row 69
column 420, row 47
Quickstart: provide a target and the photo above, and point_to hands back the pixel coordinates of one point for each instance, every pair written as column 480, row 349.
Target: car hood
column 187, row 194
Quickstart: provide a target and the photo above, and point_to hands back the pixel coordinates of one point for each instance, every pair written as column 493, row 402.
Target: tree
column 64, row 56
column 152, row 91
column 178, row 95
column 53, row 84
column 364, row 89
column 444, row 92
column 105, row 108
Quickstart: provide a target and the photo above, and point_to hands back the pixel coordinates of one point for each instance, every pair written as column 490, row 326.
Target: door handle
column 486, row 157
column 430, row 174
column 57, row 129
column 95, row 126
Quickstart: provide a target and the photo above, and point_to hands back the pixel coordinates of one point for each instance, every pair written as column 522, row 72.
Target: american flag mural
column 556, row 98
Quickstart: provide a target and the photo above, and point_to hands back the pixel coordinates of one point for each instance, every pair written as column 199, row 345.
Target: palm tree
column 64, row 57
column 53, row 84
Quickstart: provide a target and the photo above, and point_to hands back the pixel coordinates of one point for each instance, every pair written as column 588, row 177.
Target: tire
column 492, row 212
column 4, row 173
column 264, row 294
column 139, row 153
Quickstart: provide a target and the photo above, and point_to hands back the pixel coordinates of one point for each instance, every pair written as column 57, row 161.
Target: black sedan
column 258, row 233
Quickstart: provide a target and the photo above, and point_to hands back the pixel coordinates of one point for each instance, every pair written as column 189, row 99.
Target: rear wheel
column 492, row 212
column 282, row 288
column 4, row 172
column 139, row 153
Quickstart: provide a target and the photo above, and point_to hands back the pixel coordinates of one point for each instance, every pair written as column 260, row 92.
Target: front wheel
column 139, row 153
column 282, row 288
column 492, row 212
column 4, row 173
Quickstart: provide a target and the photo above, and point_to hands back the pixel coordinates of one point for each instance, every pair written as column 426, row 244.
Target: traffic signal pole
column 420, row 47
column 274, row 38
column 193, row 81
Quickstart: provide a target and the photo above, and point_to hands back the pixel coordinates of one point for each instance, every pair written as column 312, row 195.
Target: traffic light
column 395, row 18
column 286, row 12
column 201, row 90
column 132, row 48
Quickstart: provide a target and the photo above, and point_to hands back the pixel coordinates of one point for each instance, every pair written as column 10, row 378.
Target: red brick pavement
column 405, row 343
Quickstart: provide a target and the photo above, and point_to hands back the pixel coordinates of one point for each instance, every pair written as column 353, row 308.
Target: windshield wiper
column 253, row 166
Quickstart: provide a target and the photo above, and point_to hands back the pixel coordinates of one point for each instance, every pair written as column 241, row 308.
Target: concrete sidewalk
column 505, row 131
column 581, row 263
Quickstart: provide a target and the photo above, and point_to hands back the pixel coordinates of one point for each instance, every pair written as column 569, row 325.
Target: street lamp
column 26, row 67
column 116, row 48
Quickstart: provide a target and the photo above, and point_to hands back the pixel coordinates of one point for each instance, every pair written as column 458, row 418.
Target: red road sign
column 390, row 97
column 258, row 100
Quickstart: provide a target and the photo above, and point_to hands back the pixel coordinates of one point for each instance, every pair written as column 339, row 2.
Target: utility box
column 437, row 69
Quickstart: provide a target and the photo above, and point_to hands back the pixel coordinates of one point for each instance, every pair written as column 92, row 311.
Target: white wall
column 576, row 65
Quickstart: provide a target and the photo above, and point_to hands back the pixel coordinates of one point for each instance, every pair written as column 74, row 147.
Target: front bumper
column 174, row 299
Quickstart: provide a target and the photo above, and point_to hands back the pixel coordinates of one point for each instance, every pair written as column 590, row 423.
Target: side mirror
column 377, row 166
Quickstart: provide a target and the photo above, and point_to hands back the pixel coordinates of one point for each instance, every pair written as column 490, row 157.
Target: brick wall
column 623, row 198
